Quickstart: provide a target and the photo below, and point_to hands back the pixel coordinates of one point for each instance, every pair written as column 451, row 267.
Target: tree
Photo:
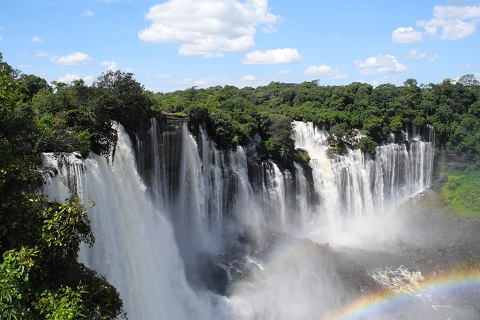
column 33, row 84
column 125, row 96
column 8, row 69
column 40, row 276
column 469, row 80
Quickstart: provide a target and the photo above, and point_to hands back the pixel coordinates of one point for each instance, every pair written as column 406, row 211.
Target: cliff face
column 445, row 158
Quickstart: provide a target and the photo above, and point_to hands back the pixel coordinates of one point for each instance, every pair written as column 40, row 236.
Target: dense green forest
column 40, row 276
column 234, row 115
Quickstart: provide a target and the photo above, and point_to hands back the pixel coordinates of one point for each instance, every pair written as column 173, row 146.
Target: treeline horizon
column 233, row 116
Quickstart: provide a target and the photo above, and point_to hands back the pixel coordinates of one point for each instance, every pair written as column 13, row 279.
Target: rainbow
column 377, row 305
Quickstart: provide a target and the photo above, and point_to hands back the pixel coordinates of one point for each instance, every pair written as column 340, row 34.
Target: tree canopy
column 40, row 276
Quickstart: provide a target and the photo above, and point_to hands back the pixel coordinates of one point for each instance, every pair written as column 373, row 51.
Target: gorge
column 186, row 231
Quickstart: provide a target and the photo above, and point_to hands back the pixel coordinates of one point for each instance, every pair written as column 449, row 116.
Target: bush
column 367, row 144
column 461, row 191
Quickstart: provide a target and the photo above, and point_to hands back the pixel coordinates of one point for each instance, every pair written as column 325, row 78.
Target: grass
column 461, row 192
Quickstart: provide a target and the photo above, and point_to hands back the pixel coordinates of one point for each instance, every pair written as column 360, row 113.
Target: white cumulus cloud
column 467, row 66
column 208, row 27
column 88, row 13
column 249, row 78
column 88, row 79
column 37, row 39
column 452, row 22
column 406, row 35
column 380, row 64
column 324, row 70
column 417, row 55
column 71, row 59
column 111, row 65
column 69, row 78
column 41, row 53
column 276, row 56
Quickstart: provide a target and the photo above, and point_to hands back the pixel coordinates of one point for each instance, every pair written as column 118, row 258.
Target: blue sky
column 178, row 44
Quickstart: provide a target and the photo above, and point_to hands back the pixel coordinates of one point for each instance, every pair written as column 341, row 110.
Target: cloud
column 249, row 78
column 38, row 39
column 72, row 59
column 88, row 79
column 324, row 70
column 69, row 78
column 467, row 66
column 41, row 53
column 380, row 64
column 88, row 13
column 452, row 22
column 205, row 82
column 111, row 65
column 183, row 81
column 276, row 56
column 208, row 27
column 416, row 55
column 284, row 71
column 406, row 35
column 163, row 75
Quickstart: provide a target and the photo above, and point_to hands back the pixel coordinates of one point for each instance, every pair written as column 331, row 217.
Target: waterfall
column 357, row 184
column 171, row 204
column 134, row 242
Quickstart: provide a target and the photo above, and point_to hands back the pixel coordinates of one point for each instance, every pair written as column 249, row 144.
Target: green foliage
column 123, row 98
column 221, row 128
column 277, row 151
column 31, row 85
column 66, row 303
column 48, row 279
column 396, row 124
column 40, row 277
column 461, row 191
column 367, row 144
column 7, row 69
column 64, row 225
column 302, row 157
column 14, row 279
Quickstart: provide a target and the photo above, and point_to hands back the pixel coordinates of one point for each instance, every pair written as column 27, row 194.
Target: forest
column 40, row 276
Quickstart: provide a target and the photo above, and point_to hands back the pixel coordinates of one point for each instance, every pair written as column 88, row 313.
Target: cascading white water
column 197, row 199
column 134, row 243
column 355, row 184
